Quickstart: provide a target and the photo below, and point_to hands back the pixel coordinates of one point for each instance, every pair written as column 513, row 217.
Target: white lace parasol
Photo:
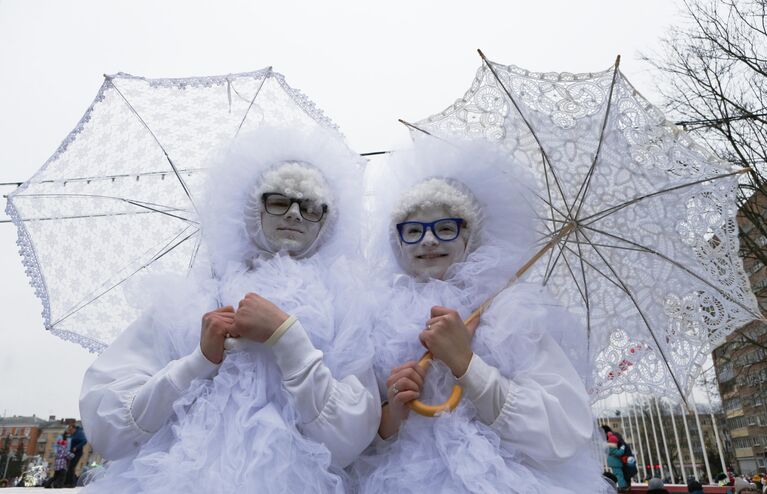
column 649, row 255
column 117, row 199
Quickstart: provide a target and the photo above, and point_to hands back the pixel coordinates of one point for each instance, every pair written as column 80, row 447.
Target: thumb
column 472, row 324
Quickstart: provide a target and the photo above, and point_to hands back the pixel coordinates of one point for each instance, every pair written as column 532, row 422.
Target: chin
column 289, row 245
column 430, row 272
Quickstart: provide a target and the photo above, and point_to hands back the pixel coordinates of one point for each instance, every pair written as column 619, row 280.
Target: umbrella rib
column 413, row 126
column 641, row 314
column 609, row 246
column 140, row 204
column 551, row 206
column 613, row 209
column 81, row 216
column 548, row 192
column 170, row 161
column 188, row 171
column 253, row 100
column 575, row 280
column 193, row 257
column 556, row 260
column 123, row 280
column 599, row 271
column 587, row 181
column 586, row 292
column 546, row 160
column 678, row 265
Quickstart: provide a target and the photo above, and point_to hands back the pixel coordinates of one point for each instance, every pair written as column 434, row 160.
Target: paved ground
column 40, row 490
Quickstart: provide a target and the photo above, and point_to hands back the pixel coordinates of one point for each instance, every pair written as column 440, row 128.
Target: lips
column 288, row 229
column 431, row 255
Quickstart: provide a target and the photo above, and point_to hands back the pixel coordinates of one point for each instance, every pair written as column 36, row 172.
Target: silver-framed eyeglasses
column 279, row 204
column 445, row 229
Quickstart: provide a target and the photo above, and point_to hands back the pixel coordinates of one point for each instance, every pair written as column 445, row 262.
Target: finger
column 423, row 337
column 223, row 315
column 472, row 326
column 412, row 375
column 437, row 311
column 394, row 378
column 405, row 379
column 406, row 396
column 219, row 318
column 430, row 323
column 224, row 309
column 410, row 363
column 421, row 370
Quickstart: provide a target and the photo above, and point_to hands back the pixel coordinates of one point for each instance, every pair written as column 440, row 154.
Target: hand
column 215, row 327
column 408, row 381
column 449, row 339
column 257, row 318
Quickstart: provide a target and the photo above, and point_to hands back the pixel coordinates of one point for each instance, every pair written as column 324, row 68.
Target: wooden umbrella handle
column 455, row 396
column 422, row 408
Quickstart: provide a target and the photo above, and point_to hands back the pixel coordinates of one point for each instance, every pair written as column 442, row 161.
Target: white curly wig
column 472, row 179
column 313, row 164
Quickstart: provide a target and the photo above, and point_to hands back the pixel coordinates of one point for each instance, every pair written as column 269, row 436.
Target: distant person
column 655, row 486
column 610, row 480
column 743, row 486
column 758, row 481
column 62, row 456
column 694, row 487
column 76, row 444
column 628, row 459
column 614, row 454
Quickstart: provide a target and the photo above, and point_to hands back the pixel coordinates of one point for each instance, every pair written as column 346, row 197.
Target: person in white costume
column 294, row 401
column 458, row 226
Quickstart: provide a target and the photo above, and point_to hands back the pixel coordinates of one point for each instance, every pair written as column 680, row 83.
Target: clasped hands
column 255, row 319
column 449, row 340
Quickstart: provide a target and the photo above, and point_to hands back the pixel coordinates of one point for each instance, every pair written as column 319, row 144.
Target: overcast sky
column 365, row 63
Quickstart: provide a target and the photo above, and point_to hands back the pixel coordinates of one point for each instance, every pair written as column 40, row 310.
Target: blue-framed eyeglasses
column 445, row 229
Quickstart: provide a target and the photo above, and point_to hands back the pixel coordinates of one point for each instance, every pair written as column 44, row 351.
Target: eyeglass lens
column 279, row 204
column 445, row 230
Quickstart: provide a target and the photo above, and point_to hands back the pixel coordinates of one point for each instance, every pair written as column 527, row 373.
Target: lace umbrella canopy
column 117, row 198
column 646, row 251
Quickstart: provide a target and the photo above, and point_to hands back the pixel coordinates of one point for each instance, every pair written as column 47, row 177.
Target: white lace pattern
column 652, row 267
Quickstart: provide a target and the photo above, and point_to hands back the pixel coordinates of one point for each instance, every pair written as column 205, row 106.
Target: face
column 70, row 429
column 290, row 232
column 431, row 257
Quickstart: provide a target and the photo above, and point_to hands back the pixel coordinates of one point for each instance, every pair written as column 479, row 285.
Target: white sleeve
column 543, row 410
column 341, row 414
column 128, row 392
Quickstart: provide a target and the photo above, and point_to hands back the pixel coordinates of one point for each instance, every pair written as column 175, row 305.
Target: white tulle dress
column 535, row 437
column 281, row 418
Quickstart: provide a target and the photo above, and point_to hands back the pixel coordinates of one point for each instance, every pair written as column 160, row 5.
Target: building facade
column 741, row 362
column 22, row 439
column 639, row 434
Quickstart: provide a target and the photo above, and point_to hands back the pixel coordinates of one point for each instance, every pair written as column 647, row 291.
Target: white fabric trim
column 486, row 388
column 275, row 337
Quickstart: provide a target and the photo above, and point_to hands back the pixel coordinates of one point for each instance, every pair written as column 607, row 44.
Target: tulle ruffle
column 238, row 432
column 456, row 452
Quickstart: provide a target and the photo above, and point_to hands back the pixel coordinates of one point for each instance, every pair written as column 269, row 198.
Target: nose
column 429, row 238
column 293, row 212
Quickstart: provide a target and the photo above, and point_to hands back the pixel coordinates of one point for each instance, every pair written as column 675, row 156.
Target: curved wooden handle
column 422, row 408
column 455, row 396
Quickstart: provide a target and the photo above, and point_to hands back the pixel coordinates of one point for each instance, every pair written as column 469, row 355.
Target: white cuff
column 193, row 366
column 474, row 380
column 485, row 387
column 275, row 337
column 294, row 351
